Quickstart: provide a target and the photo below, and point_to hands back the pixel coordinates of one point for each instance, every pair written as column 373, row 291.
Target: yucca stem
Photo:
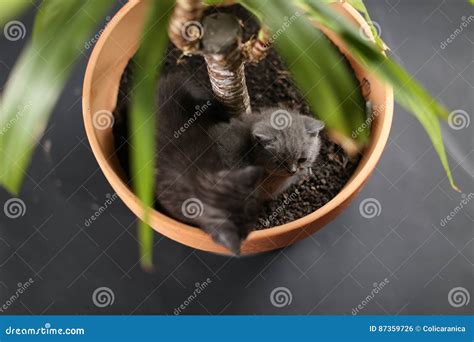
column 222, row 50
column 184, row 26
column 257, row 49
column 219, row 39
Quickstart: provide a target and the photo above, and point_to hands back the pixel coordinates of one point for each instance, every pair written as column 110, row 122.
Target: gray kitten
column 194, row 185
column 285, row 143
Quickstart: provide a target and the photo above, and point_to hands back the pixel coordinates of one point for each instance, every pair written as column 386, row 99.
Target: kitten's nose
column 293, row 168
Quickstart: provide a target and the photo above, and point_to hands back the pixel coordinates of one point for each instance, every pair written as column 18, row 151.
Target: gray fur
column 189, row 169
column 285, row 143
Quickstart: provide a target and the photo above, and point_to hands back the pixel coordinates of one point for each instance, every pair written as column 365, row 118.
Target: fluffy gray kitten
column 194, row 185
column 285, row 143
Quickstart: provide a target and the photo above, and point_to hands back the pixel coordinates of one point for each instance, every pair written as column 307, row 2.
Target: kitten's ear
column 262, row 136
column 313, row 126
column 263, row 139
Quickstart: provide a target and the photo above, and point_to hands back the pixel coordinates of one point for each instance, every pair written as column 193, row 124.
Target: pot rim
column 168, row 226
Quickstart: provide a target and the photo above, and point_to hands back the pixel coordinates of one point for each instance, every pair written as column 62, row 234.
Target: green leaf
column 327, row 83
column 12, row 8
column 360, row 6
column 412, row 96
column 38, row 78
column 212, row 2
column 147, row 66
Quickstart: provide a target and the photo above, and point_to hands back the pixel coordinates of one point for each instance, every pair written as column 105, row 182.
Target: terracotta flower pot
column 117, row 45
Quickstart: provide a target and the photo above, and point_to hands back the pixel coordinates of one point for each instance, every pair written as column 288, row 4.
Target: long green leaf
column 148, row 61
column 409, row 93
column 12, row 8
column 360, row 6
column 326, row 82
column 38, row 78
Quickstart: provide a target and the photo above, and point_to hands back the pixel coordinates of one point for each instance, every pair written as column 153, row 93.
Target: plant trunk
column 184, row 28
column 256, row 49
column 219, row 39
column 222, row 49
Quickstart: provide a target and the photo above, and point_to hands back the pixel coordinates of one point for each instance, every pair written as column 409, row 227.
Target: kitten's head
column 286, row 142
column 231, row 205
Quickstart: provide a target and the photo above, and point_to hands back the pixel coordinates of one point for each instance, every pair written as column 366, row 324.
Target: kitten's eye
column 302, row 160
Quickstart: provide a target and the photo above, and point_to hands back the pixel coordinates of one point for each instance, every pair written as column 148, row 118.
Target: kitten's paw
column 227, row 235
column 229, row 240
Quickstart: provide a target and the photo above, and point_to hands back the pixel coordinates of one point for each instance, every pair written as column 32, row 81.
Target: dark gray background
column 328, row 273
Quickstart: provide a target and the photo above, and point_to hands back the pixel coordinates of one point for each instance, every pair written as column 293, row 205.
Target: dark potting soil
column 269, row 84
